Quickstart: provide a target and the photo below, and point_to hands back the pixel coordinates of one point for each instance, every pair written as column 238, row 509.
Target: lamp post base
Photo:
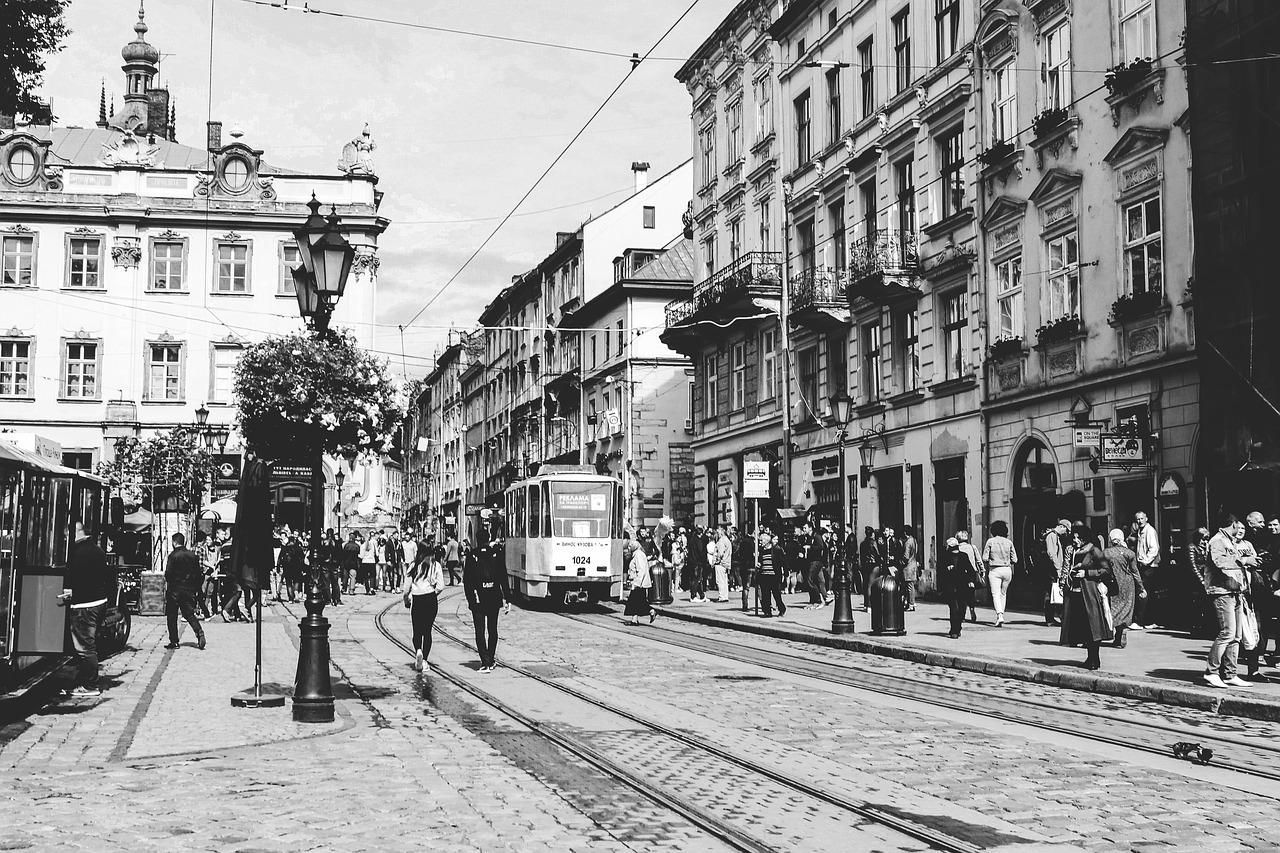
column 255, row 700
column 842, row 618
column 313, row 691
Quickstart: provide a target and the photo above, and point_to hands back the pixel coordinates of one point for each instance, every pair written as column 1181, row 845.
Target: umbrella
column 138, row 521
column 225, row 508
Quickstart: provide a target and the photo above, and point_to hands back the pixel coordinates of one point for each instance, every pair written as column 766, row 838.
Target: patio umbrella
column 225, row 508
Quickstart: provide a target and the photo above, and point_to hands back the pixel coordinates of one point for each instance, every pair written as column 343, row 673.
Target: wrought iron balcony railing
column 884, row 251
column 818, row 286
column 758, row 269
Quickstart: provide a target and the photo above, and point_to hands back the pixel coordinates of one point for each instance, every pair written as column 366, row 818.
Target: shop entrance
column 950, row 506
column 1130, row 498
column 1037, row 506
column 292, row 507
column 889, row 494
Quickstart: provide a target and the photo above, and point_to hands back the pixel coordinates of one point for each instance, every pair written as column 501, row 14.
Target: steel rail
column 936, row 839
column 973, row 702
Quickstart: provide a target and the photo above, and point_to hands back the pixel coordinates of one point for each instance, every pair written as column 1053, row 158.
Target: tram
column 40, row 502
column 564, row 535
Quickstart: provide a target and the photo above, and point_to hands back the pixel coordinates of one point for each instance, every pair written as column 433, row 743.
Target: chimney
column 215, row 135
column 641, row 171
column 158, row 113
column 6, row 121
column 563, row 237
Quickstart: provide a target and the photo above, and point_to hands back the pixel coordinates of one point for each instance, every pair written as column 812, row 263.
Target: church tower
column 145, row 109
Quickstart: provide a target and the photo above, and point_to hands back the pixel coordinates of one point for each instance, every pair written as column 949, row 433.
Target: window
column 832, row 16
column 905, row 185
column 867, row 191
column 768, row 365
column 838, row 362
column 738, row 378
column 809, row 382
column 15, row 368
column 834, row 128
column 80, row 460
column 593, row 351
column 19, row 262
column 1057, row 67
column 804, row 146
column 902, row 50
column 84, row 262
column 867, row 77
column 236, row 174
column 1064, row 277
column 707, row 155
column 1004, row 122
column 650, row 216
column 839, row 250
column 607, row 347
column 952, row 174
column 800, row 47
column 168, row 265
column 764, row 107
column 766, row 225
column 735, row 131
column 80, row 370
column 164, row 372
column 871, row 360
column 621, row 339
column 22, row 164
column 1009, row 297
column 711, row 386
column 804, row 245
column 946, row 27
column 954, row 320
column 289, row 261
column 908, row 346
column 1143, row 249
column 233, row 268
column 735, row 239
column 708, row 257
column 1137, row 30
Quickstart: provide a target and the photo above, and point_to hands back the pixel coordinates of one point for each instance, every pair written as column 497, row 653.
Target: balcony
column 818, row 299
column 884, row 267
column 731, row 292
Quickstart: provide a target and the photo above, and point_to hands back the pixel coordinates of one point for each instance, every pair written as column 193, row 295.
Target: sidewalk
column 1158, row 665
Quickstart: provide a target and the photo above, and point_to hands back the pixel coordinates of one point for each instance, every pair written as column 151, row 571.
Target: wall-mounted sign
column 1119, row 449
column 1086, row 436
column 755, row 479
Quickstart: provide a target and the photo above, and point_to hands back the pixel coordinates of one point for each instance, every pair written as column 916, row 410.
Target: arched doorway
column 1037, row 505
column 292, row 504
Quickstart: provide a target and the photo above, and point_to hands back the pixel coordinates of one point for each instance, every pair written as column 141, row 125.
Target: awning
column 138, row 521
column 225, row 508
column 791, row 512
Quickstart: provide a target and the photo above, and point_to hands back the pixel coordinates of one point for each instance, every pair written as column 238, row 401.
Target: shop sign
column 755, row 479
column 1117, row 449
column 1086, row 436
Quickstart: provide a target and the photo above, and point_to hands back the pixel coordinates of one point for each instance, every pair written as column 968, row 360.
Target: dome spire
column 141, row 27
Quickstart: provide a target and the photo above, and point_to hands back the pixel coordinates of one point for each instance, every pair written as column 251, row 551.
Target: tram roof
column 34, row 461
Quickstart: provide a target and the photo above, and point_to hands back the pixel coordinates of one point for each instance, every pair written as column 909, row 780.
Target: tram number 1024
column 581, row 560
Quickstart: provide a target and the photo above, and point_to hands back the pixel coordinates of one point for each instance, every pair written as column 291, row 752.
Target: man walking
column 1052, row 572
column 1224, row 583
column 769, row 573
column 723, row 563
column 88, row 583
column 452, row 559
column 1148, row 550
column 910, row 564
column 815, row 555
column 868, row 560
column 182, row 577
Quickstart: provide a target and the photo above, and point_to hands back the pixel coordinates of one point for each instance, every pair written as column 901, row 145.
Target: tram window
column 581, row 510
column 9, row 481
column 546, row 510
column 535, row 511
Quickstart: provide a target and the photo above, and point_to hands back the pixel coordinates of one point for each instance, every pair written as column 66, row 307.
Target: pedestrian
column 231, row 588
column 956, row 579
column 452, row 558
column 293, row 568
column 334, row 571
column 182, row 577
column 422, row 587
column 1264, row 590
column 350, row 563
column 868, row 559
column 1148, row 554
column 962, row 536
column 207, row 549
column 815, row 557
column 1053, row 571
column 1000, row 558
column 1128, row 590
column 910, row 565
column 853, row 572
column 1086, row 617
column 408, row 551
column 1225, row 579
column 484, row 581
column 87, row 586
column 640, row 580
column 679, row 554
column 370, row 552
column 696, row 567
column 721, row 559
column 769, row 566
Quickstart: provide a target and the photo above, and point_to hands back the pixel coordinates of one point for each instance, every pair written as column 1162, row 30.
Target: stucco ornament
column 357, row 155
column 130, row 150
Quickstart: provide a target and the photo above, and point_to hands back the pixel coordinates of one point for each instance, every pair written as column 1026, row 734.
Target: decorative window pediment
column 1055, row 183
column 24, row 164
column 236, row 173
column 1002, row 209
column 1136, row 141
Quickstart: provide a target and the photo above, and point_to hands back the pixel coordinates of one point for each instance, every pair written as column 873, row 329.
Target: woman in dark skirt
column 1086, row 618
column 1128, row 584
column 637, row 563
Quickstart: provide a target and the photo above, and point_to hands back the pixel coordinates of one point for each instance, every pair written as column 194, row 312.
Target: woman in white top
column 1000, row 558
column 369, row 563
column 422, row 595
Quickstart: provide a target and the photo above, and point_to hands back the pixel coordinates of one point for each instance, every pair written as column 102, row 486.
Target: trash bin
column 660, row 591
column 886, row 606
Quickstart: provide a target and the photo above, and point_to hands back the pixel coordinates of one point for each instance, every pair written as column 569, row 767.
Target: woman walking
column 637, row 562
column 1000, row 558
column 1086, row 618
column 1123, row 565
column 484, row 580
column 422, row 595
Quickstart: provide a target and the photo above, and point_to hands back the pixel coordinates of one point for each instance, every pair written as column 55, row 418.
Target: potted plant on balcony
column 1005, row 347
column 1133, row 305
column 1122, row 78
column 999, row 151
column 1048, row 121
column 1059, row 330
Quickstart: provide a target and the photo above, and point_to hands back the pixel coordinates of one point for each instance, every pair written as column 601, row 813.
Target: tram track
column 1249, row 759
column 932, row 836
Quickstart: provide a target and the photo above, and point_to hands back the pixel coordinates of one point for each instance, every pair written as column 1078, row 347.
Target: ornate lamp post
column 319, row 283
column 842, row 618
column 214, row 435
column 339, row 478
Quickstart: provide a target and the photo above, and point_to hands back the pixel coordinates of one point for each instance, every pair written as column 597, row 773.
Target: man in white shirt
column 1148, row 551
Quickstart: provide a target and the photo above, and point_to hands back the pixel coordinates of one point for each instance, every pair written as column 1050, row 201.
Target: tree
column 29, row 31
column 168, row 470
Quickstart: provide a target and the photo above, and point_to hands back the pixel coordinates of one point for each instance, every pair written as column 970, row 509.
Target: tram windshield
column 581, row 510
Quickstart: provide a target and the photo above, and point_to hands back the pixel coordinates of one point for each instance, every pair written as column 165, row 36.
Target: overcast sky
column 463, row 125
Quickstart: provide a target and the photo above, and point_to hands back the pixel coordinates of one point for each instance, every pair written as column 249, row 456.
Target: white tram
column 564, row 535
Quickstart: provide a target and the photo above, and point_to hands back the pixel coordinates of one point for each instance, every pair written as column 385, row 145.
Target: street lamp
column 319, row 282
column 842, row 618
column 339, row 478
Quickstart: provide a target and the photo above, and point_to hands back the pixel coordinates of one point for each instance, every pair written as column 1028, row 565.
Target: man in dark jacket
column 769, row 567
column 182, row 577
column 87, row 587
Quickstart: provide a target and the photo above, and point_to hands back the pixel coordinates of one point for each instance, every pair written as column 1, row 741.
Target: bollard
column 312, row 690
column 660, row 591
column 886, row 606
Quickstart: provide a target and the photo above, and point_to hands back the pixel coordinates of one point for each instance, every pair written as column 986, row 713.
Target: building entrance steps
column 1158, row 665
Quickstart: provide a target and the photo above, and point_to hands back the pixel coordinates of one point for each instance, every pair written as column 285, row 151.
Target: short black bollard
column 312, row 690
column 886, row 606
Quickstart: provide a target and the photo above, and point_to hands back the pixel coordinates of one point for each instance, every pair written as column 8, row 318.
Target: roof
column 675, row 264
column 82, row 146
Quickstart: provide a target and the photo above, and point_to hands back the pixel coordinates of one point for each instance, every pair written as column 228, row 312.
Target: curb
column 1145, row 689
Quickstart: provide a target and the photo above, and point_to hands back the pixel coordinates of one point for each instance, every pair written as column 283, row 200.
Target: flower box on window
column 1003, row 348
column 1123, row 77
column 1064, row 328
column 997, row 153
column 1048, row 121
column 1134, row 305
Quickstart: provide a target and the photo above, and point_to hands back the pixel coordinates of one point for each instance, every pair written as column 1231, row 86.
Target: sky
column 463, row 125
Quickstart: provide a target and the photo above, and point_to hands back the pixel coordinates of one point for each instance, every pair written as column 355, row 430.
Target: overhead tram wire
column 634, row 65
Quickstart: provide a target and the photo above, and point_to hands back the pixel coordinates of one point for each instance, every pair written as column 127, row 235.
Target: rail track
column 934, row 837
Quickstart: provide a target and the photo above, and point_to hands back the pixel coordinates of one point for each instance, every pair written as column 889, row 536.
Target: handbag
column 1055, row 593
column 1249, row 633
